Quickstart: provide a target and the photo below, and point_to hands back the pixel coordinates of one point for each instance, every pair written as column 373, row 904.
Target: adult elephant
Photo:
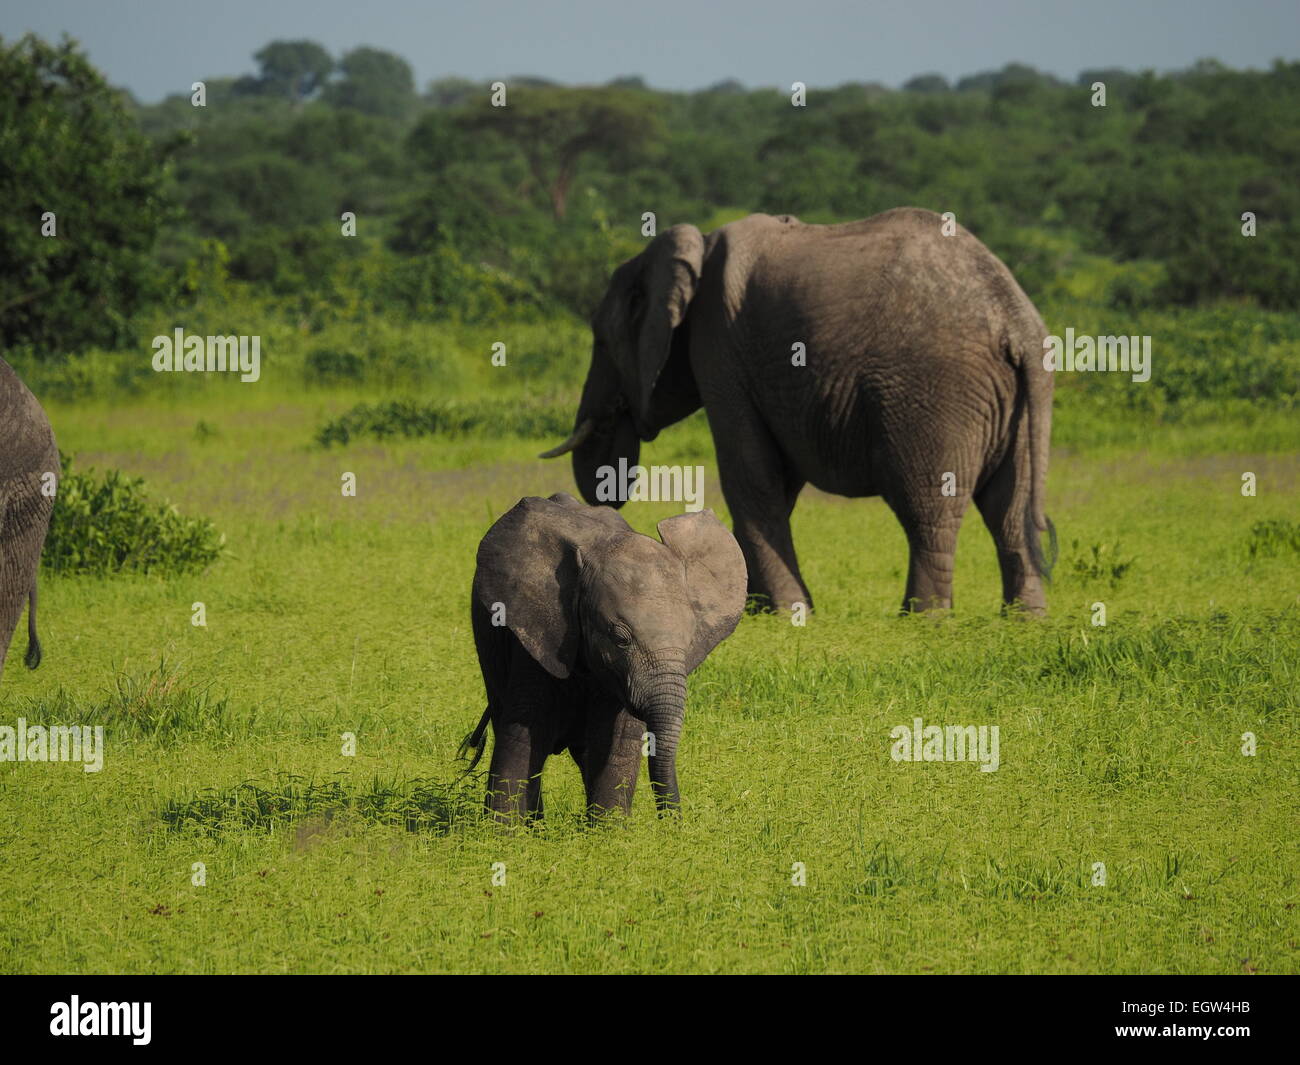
column 29, row 467
column 882, row 357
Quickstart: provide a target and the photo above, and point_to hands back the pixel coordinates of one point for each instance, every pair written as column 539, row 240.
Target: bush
column 380, row 353
column 158, row 703
column 1105, row 563
column 1274, row 537
column 327, row 365
column 405, row 418
column 1203, row 360
column 443, row 286
column 109, row 525
column 161, row 702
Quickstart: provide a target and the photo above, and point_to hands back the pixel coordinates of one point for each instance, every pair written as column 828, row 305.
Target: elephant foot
column 1022, row 587
column 782, row 601
column 1018, row 608
column 607, row 815
column 925, row 605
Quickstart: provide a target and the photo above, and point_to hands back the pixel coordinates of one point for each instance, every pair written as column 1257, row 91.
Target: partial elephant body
column 946, row 361
column 29, row 462
column 534, row 715
column 875, row 358
column 586, row 631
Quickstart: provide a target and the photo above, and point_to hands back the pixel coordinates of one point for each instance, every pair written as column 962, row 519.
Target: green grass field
column 1119, row 745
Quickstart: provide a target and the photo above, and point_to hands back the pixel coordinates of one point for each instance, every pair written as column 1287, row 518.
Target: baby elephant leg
column 612, row 759
column 523, row 736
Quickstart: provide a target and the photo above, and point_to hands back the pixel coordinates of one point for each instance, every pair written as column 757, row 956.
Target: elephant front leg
column 774, row 579
column 611, row 759
column 761, row 494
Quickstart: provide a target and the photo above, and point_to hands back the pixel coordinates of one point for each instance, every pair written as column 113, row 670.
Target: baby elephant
column 586, row 631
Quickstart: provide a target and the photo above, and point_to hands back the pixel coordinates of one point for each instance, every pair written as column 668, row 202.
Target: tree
column 555, row 128
column 74, row 164
column 1018, row 82
column 450, row 92
column 375, row 82
column 296, row 69
column 927, row 83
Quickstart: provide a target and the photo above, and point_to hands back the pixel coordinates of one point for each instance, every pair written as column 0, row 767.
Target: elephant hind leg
column 523, row 736
column 1004, row 503
column 930, row 512
column 519, row 752
column 931, row 548
column 510, row 770
column 13, row 597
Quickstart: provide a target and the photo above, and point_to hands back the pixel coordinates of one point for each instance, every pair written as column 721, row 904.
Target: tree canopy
column 296, row 69
column 84, row 196
column 554, row 128
column 1149, row 198
column 374, row 82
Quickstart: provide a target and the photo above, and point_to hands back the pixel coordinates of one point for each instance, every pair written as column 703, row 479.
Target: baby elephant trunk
column 663, row 706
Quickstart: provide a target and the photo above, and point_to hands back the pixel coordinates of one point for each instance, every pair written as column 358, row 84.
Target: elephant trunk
column 663, row 707
column 603, row 433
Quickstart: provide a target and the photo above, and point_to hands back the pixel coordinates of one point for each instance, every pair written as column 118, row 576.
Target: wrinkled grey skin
column 923, row 357
column 27, row 452
column 602, row 627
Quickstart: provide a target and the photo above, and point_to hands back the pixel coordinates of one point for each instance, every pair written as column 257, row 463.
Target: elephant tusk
column 580, row 434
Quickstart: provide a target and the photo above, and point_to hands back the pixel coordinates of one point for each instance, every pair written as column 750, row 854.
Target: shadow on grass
column 418, row 805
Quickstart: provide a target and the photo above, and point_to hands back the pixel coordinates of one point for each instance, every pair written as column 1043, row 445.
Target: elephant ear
column 716, row 578
column 529, row 562
column 669, row 275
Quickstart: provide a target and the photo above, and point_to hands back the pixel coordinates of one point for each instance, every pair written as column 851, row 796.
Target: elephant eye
column 622, row 638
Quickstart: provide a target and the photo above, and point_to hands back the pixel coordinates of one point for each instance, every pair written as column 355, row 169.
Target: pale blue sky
column 156, row 47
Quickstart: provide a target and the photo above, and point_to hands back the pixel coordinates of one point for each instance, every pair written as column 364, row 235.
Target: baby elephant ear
column 716, row 578
column 527, row 578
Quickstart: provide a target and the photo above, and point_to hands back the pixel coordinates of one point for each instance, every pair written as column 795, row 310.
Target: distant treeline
column 469, row 211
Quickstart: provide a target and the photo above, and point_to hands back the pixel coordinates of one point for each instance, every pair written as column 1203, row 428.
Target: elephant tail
column 33, row 657
column 1037, row 384
column 474, row 742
